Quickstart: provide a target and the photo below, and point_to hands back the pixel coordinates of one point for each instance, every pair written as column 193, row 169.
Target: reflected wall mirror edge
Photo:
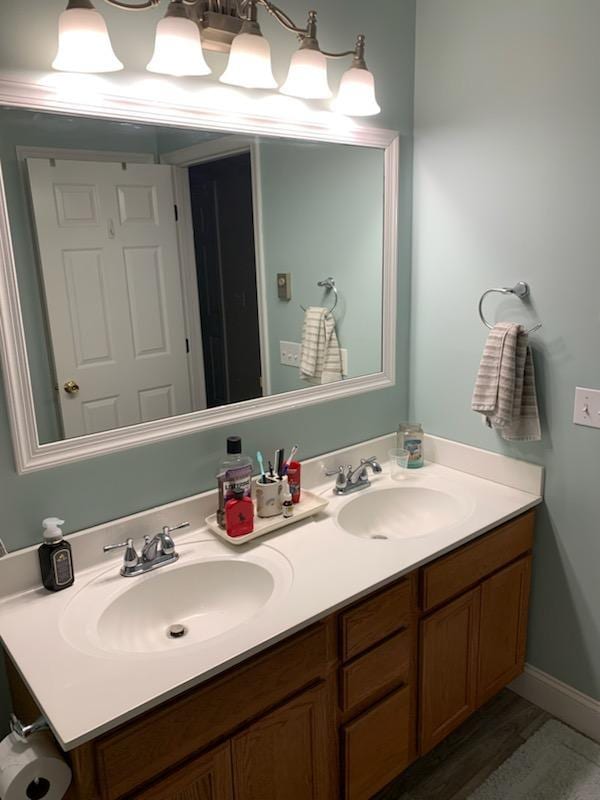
column 138, row 287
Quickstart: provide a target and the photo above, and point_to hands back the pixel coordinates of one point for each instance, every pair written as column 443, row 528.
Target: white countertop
column 84, row 693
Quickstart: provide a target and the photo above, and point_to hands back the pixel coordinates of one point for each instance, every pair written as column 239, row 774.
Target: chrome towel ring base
column 521, row 290
column 329, row 284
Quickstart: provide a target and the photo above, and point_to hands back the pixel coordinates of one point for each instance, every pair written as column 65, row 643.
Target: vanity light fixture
column 178, row 46
column 249, row 63
column 226, row 26
column 83, row 41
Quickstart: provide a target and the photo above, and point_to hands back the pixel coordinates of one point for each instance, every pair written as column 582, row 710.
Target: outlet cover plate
column 587, row 407
column 289, row 355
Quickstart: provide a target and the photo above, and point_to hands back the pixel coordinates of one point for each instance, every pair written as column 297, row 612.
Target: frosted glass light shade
column 307, row 77
column 178, row 49
column 250, row 63
column 356, row 97
column 83, row 43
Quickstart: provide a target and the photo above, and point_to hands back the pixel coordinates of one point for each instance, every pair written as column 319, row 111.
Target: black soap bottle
column 56, row 560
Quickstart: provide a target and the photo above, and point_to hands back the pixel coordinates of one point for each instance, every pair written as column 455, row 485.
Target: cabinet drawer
column 374, row 619
column 378, row 746
column 167, row 736
column 378, row 671
column 454, row 573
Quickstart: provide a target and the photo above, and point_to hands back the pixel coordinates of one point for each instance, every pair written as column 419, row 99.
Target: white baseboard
column 559, row 699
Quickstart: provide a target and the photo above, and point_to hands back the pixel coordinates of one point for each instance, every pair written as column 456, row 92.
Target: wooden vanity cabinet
column 340, row 709
column 473, row 645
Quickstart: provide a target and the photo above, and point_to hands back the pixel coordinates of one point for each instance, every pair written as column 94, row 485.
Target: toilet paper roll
column 32, row 771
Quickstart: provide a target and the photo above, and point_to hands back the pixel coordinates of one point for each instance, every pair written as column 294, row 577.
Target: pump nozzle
column 52, row 528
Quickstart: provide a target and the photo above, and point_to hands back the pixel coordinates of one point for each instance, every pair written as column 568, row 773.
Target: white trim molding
column 22, row 91
column 559, row 699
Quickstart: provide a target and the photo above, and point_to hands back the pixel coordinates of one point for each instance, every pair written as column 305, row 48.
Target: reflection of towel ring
column 521, row 290
column 329, row 284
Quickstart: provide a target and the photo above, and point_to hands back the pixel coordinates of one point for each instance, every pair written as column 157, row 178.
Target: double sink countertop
column 85, row 689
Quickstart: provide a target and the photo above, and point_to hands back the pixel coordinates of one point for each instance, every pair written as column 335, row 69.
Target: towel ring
column 521, row 290
column 329, row 285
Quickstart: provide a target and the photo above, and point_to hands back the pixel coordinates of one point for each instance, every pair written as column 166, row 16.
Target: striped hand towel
column 321, row 357
column 505, row 390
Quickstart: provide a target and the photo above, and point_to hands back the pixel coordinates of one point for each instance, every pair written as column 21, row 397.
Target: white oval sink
column 401, row 513
column 178, row 606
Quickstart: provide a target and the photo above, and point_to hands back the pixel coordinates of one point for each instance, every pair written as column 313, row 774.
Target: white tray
column 309, row 505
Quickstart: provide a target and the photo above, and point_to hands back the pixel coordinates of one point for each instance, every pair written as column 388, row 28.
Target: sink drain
column 379, row 536
column 176, row 631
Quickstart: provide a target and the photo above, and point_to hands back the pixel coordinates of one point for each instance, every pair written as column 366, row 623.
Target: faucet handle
column 166, row 540
column 3, row 550
column 166, row 530
column 131, row 558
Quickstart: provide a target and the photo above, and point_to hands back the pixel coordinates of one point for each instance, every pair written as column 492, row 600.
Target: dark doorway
column 221, row 197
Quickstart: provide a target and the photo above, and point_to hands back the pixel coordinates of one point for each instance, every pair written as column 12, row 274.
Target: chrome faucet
column 353, row 480
column 157, row 551
column 3, row 550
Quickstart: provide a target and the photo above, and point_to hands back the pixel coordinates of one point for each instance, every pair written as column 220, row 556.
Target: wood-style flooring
column 461, row 763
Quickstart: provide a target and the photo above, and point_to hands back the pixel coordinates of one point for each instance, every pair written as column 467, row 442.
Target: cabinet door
column 290, row 754
column 205, row 778
column 503, row 628
column 448, row 668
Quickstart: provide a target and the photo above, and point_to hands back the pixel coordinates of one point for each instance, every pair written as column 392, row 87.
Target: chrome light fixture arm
column 148, row 4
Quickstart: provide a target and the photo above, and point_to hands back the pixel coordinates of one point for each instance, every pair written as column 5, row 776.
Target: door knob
column 71, row 387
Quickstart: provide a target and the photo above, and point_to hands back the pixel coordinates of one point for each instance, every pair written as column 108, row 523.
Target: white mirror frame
column 30, row 455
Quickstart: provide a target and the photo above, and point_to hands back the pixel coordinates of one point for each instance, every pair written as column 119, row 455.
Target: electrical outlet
column 289, row 355
column 587, row 407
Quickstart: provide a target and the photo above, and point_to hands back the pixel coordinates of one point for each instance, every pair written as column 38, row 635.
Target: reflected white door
column 110, row 264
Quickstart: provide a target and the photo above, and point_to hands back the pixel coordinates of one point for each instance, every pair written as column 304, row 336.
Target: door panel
column 288, row 754
column 503, row 630
column 110, row 264
column 448, row 690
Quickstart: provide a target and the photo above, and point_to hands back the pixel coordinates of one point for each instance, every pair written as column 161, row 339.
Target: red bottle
column 239, row 515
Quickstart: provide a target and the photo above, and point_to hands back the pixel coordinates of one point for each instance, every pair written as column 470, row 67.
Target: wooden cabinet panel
column 374, row 619
column 207, row 778
column 503, row 628
column 289, row 754
column 378, row 745
column 161, row 739
column 448, row 669
column 372, row 674
column 451, row 575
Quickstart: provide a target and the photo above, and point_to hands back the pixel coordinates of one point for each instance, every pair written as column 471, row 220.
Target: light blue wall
column 506, row 189
column 323, row 215
column 90, row 492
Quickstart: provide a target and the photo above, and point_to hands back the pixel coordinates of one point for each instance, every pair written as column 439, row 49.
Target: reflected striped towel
column 505, row 387
column 321, row 357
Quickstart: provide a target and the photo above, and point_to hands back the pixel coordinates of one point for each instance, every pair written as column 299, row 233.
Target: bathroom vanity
column 336, row 704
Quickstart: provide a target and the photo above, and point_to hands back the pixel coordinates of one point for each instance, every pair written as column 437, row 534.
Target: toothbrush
column 271, row 473
column 292, row 456
column 279, row 456
column 261, row 464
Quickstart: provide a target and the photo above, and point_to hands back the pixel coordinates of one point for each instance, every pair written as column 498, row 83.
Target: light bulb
column 178, row 47
column 307, row 77
column 249, row 62
column 356, row 97
column 83, row 41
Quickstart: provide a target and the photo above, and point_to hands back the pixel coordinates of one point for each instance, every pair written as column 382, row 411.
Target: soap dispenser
column 56, row 560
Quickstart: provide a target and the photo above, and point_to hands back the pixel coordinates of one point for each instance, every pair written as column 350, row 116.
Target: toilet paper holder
column 23, row 732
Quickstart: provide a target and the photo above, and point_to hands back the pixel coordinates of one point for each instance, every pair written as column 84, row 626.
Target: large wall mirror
column 158, row 278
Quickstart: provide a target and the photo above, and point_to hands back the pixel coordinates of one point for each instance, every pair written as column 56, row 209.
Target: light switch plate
column 587, row 407
column 289, row 355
